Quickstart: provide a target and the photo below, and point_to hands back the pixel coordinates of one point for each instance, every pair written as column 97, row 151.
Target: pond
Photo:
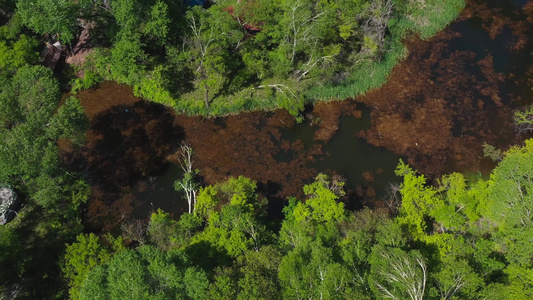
column 452, row 94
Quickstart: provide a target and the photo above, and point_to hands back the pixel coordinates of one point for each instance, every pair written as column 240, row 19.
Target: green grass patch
column 423, row 18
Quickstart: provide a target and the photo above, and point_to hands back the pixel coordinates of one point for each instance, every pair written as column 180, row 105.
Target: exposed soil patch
column 81, row 49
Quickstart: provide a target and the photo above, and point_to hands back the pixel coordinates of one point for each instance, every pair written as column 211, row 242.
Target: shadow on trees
column 207, row 256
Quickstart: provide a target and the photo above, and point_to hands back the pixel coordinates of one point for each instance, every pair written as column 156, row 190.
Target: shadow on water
column 281, row 156
column 158, row 193
column 451, row 95
column 127, row 145
column 368, row 170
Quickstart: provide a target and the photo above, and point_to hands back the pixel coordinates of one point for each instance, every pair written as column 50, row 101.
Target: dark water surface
column 451, row 95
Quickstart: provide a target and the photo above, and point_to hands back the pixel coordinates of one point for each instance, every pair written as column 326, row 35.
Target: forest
column 451, row 236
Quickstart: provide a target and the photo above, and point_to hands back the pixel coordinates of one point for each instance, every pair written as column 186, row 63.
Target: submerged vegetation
column 459, row 240
column 456, row 239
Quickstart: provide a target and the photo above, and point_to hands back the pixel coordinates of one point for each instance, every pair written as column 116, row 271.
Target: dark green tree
column 30, row 125
column 145, row 273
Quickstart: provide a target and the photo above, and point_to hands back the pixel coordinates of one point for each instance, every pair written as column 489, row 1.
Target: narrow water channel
column 451, row 95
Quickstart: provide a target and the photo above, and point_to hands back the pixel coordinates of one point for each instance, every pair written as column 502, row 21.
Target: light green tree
column 85, row 254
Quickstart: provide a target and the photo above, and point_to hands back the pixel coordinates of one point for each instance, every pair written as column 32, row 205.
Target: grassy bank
column 358, row 75
column 424, row 22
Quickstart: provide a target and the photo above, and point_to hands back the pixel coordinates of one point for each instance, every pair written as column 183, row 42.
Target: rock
column 8, row 204
column 52, row 54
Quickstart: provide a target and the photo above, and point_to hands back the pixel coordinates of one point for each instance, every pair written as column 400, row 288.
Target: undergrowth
column 414, row 17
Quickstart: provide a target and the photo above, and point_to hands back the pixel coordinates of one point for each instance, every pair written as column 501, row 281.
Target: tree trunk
column 194, row 199
column 189, row 200
column 206, row 99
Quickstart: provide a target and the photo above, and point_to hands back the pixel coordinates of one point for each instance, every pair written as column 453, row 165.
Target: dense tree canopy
column 238, row 55
column 458, row 239
column 33, row 119
column 30, row 125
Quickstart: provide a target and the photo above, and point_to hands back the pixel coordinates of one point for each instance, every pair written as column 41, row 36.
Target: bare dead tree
column 337, row 185
column 301, row 27
column 523, row 120
column 393, row 197
column 11, row 291
column 279, row 88
column 409, row 273
column 186, row 161
column 135, row 230
column 376, row 24
column 457, row 285
column 188, row 182
column 201, row 40
column 311, row 64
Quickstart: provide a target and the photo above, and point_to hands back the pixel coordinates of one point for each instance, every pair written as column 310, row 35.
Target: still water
column 478, row 68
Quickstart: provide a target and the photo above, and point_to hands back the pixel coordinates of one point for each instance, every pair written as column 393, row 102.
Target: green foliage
column 398, row 274
column 30, row 125
column 224, row 285
column 360, row 232
column 234, row 230
column 238, row 226
column 266, row 54
column 68, row 121
column 492, row 153
column 17, row 53
column 9, row 248
column 418, row 200
column 523, row 119
column 457, row 279
column 88, row 80
column 311, row 272
column 161, row 230
column 84, row 255
column 167, row 234
column 236, row 56
column 126, row 59
column 259, row 274
column 458, row 240
column 55, row 17
column 32, row 120
column 426, row 18
column 146, row 273
column 240, row 191
column 236, row 191
column 207, row 201
column 510, row 204
column 322, row 205
column 511, row 188
column 478, row 231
